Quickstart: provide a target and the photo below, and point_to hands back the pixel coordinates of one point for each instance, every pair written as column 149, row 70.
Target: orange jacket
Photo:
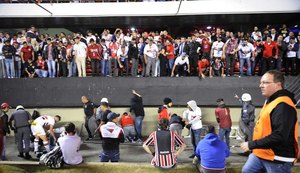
column 263, row 128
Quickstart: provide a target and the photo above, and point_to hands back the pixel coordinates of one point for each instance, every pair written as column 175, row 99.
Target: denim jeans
column 111, row 155
column 51, row 68
column 257, row 165
column 225, row 132
column 195, row 137
column 18, row 69
column 242, row 62
column 113, row 62
column 171, row 64
column 125, row 65
column 2, row 68
column 72, row 68
column 41, row 73
column 257, row 61
column 157, row 68
column 138, row 126
column 10, row 69
column 104, row 67
column 3, row 154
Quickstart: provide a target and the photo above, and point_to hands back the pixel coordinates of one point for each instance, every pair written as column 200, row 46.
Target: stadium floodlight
column 132, row 29
column 208, row 27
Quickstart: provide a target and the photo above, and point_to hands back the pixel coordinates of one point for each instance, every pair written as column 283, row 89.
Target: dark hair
column 92, row 40
column 102, row 40
column 163, row 124
column 70, row 128
column 277, row 76
column 211, row 129
column 167, row 100
column 59, row 118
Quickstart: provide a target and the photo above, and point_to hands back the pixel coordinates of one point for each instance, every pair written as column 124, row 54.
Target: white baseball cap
column 246, row 97
column 19, row 107
column 104, row 100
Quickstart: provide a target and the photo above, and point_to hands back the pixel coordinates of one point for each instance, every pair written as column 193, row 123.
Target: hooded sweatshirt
column 212, row 152
column 193, row 116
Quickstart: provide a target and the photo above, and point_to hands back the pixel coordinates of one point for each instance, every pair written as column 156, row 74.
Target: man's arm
column 52, row 133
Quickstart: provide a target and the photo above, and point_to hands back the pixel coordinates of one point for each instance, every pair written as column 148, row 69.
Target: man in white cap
column 102, row 112
column 22, row 120
column 192, row 117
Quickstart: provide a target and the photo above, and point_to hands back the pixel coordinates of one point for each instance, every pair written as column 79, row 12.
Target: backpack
column 53, row 159
column 160, row 108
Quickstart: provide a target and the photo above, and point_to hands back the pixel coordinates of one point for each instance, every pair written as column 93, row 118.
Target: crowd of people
column 271, row 143
column 201, row 53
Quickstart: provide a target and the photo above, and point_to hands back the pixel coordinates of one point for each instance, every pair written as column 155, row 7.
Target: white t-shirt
column 217, row 48
column 70, row 149
column 44, row 121
column 151, row 51
column 88, row 38
column 179, row 60
column 121, row 54
column 245, row 51
column 80, row 49
column 193, row 118
column 1, row 54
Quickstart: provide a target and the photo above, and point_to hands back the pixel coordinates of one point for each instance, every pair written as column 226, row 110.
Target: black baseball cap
column 112, row 116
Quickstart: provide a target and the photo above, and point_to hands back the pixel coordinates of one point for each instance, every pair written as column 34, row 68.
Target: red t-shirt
column 41, row 64
column 170, row 51
column 268, row 49
column 164, row 114
column 126, row 120
column 205, row 46
column 94, row 51
column 27, row 52
column 223, row 114
column 113, row 49
column 202, row 64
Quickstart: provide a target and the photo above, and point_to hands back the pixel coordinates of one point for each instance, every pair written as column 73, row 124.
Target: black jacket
column 133, row 51
column 283, row 119
column 8, row 51
column 54, row 52
column 137, row 106
column 4, row 119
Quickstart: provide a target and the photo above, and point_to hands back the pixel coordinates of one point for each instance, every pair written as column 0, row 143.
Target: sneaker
column 21, row 155
column 27, row 156
column 139, row 141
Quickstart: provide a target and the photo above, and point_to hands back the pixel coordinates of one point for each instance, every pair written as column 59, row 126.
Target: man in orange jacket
column 275, row 137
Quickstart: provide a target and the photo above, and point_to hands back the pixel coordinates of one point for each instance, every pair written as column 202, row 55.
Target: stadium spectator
column 38, row 127
column 137, row 107
column 270, row 54
column 229, row 54
column 122, row 58
column 72, row 67
column 258, row 44
column 212, row 153
column 163, row 62
column 176, row 124
column 205, row 46
column 203, row 67
column 217, row 48
column 141, row 46
column 30, row 69
column 192, row 117
column 80, row 56
column 164, row 141
column 282, row 48
column 62, row 60
column 113, row 58
column 103, row 112
column 70, row 144
column 8, row 52
column 89, row 111
column 163, row 112
column 133, row 55
column 112, row 135
column 216, row 68
column 181, row 66
column 157, row 63
column 50, row 53
column 194, row 53
column 94, row 55
column 4, row 129
column 246, row 53
column 150, row 56
column 2, row 61
column 17, row 60
column 291, row 56
column 170, row 53
column 224, row 120
column 41, row 67
column 183, row 48
column 127, row 123
column 89, row 37
column 105, row 60
column 291, row 35
column 274, row 34
column 21, row 125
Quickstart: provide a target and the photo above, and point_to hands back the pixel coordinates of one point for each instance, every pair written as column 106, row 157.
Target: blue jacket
column 212, row 152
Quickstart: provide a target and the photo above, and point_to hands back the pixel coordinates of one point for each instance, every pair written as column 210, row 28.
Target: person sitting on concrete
column 176, row 124
column 38, row 127
column 112, row 135
column 70, row 143
column 164, row 141
column 212, row 152
column 127, row 123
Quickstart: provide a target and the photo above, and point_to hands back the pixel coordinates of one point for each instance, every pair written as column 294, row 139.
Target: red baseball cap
column 5, row 105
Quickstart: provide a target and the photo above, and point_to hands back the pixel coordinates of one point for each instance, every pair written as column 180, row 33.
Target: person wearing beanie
column 224, row 120
column 192, row 117
column 163, row 112
column 164, row 141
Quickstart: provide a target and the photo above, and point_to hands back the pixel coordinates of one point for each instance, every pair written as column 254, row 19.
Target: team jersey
column 44, row 121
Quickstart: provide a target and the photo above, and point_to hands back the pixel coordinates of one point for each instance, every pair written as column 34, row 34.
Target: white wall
column 150, row 8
